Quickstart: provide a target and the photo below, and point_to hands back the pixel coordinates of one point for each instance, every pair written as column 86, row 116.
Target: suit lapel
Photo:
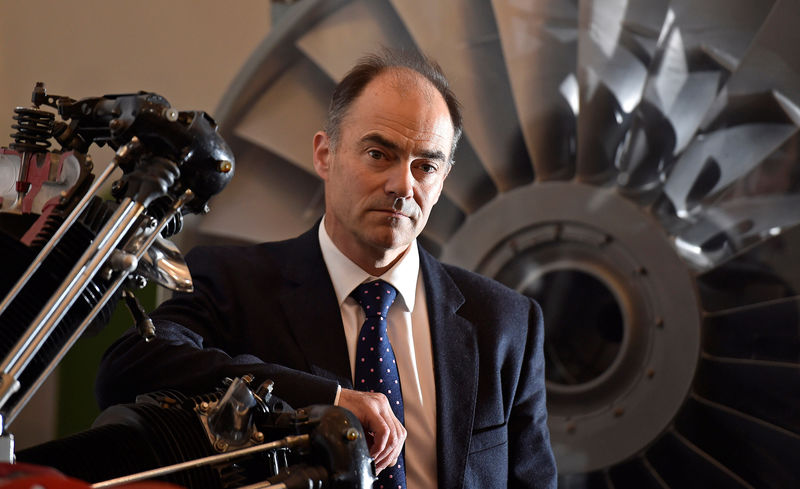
column 455, row 359
column 310, row 304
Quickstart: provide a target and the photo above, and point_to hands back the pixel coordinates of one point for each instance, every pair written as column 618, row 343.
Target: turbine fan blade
column 636, row 473
column 615, row 44
column 761, row 454
column 763, row 390
column 713, row 163
column 293, row 206
column 683, row 465
column 765, row 331
column 688, row 69
column 271, row 122
column 539, row 41
column 766, row 271
column 376, row 23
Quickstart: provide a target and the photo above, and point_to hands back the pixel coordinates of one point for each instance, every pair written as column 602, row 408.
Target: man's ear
column 322, row 154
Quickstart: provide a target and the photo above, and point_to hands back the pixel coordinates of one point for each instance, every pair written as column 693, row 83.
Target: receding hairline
column 402, row 80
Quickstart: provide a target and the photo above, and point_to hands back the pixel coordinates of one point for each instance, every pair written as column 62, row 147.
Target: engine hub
column 621, row 312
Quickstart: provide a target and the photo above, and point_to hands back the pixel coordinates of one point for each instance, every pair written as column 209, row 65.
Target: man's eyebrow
column 435, row 155
column 378, row 139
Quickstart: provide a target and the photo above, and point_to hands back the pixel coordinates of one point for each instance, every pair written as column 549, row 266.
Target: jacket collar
column 312, row 310
column 455, row 357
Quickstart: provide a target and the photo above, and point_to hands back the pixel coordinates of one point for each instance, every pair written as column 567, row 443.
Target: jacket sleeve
column 227, row 327
column 531, row 461
column 178, row 359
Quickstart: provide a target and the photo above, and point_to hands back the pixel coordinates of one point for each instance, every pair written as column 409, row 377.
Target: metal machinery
column 68, row 256
column 633, row 165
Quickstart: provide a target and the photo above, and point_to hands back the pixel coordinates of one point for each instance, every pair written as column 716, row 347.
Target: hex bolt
column 258, row 437
column 203, row 407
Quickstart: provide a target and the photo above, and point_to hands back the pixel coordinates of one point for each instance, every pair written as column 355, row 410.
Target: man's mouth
column 394, row 213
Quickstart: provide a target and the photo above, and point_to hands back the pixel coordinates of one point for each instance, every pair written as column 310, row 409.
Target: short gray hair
column 372, row 65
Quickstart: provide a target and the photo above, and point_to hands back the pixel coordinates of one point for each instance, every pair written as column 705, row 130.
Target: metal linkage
column 136, row 247
column 290, row 442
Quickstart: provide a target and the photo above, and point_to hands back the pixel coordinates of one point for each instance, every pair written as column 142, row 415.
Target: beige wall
column 186, row 50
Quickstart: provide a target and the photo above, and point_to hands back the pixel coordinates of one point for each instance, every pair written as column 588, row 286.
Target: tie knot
column 375, row 297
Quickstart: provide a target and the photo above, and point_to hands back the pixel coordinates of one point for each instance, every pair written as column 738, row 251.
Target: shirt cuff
column 338, row 393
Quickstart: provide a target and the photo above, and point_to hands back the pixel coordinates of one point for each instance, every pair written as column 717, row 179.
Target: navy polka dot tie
column 376, row 368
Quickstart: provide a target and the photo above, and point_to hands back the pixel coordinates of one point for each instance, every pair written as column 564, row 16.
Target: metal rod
column 288, row 442
column 264, row 485
column 66, row 295
column 110, row 291
column 48, row 247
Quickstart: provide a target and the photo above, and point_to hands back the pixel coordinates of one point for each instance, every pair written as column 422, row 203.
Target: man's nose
column 400, row 182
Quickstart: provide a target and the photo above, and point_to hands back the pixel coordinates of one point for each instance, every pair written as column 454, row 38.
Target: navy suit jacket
column 270, row 310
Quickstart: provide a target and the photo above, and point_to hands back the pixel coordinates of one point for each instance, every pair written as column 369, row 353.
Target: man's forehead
column 401, row 82
column 400, row 94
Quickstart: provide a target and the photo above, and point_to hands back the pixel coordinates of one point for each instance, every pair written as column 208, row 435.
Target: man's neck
column 375, row 261
column 378, row 267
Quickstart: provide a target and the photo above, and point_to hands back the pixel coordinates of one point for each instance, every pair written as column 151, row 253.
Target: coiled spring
column 34, row 128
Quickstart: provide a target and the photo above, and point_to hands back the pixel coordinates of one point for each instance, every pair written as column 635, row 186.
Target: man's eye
column 375, row 154
column 427, row 168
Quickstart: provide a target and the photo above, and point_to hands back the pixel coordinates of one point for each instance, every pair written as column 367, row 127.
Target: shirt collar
column 346, row 275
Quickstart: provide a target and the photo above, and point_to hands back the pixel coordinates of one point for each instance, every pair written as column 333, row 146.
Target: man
column 468, row 351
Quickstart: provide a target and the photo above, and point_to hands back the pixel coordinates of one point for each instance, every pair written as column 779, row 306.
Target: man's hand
column 373, row 411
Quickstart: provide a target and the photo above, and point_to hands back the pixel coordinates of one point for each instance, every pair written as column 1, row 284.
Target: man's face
column 388, row 168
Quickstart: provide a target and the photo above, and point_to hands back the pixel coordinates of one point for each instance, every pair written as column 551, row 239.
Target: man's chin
column 392, row 238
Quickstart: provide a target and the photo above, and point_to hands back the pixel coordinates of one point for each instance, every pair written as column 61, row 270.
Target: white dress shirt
column 409, row 333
